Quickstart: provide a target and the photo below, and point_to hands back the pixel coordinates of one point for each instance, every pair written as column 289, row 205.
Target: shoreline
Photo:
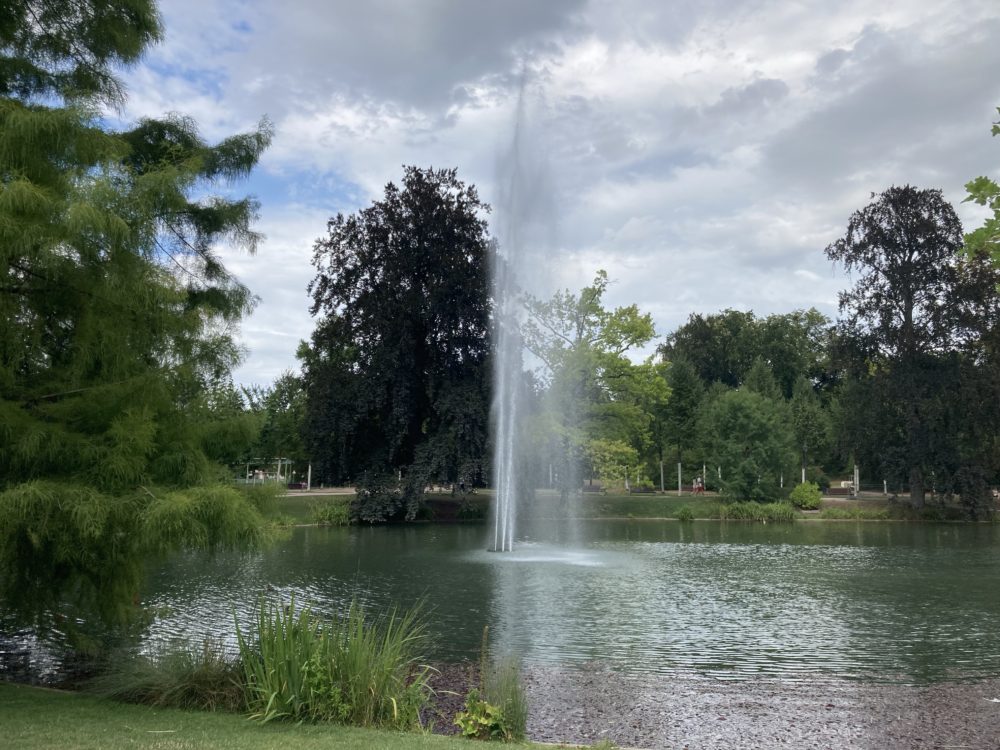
column 645, row 711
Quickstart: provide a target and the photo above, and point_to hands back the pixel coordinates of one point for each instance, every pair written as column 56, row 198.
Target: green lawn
column 36, row 718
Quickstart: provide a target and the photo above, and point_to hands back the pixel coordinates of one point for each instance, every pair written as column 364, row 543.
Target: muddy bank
column 641, row 711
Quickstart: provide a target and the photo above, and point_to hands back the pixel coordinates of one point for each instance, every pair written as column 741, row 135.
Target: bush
column 335, row 512
column 302, row 668
column 471, row 510
column 179, row 677
column 806, row 496
column 684, row 513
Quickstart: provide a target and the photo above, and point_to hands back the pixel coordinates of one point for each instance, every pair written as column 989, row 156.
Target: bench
column 594, row 488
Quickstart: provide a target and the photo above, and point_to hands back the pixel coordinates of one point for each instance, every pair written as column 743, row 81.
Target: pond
column 894, row 602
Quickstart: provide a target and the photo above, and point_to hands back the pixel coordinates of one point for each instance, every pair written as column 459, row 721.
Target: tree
column 985, row 192
column 397, row 374
column 720, row 347
column 686, row 393
column 723, row 347
column 760, row 379
column 117, row 320
column 899, row 314
column 281, row 410
column 750, row 441
column 594, row 392
column 810, row 423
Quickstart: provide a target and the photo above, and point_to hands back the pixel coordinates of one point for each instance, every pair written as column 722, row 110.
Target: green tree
column 720, row 347
column 116, row 320
column 593, row 390
column 397, row 373
column 985, row 192
column 681, row 418
column 723, row 347
column 749, row 439
column 810, row 424
column 900, row 312
column 281, row 410
column 760, row 379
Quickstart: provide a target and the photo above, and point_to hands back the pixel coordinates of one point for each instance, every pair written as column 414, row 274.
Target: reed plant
column 176, row 676
column 497, row 709
column 858, row 514
column 352, row 670
column 761, row 512
column 335, row 512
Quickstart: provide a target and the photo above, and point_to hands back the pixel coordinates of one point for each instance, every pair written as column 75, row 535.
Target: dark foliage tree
column 116, row 320
column 720, row 347
column 723, row 347
column 397, row 373
column 908, row 319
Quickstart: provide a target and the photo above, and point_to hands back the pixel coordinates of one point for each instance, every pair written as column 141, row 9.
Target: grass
column 37, row 719
column 298, row 666
column 175, row 676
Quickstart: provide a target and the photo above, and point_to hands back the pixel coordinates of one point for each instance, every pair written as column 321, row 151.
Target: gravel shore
column 689, row 712
column 585, row 706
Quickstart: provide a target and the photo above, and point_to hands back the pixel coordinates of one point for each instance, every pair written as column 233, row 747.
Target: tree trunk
column 916, row 487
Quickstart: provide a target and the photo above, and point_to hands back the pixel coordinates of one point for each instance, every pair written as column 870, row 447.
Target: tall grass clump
column 351, row 670
column 206, row 679
column 335, row 512
column 750, row 511
column 498, row 708
column 857, row 514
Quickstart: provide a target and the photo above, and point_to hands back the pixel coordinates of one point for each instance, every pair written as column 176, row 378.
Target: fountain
column 508, row 259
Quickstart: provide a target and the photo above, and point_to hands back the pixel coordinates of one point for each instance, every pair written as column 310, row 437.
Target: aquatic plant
column 300, row 667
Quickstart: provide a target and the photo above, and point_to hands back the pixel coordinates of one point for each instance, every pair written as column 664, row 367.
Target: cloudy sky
column 703, row 152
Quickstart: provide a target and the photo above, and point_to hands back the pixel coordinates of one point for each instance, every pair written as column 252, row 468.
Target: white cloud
column 703, row 153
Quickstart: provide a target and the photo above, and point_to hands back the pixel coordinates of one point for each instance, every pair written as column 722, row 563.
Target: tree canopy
column 118, row 317
column 985, row 192
column 914, row 314
column 397, row 372
column 598, row 402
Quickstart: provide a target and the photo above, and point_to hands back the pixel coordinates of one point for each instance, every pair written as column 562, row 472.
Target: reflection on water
column 879, row 601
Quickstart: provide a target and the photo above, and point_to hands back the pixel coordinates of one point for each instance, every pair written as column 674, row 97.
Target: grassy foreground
column 36, row 718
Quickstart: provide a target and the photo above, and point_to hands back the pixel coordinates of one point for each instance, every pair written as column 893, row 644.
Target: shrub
column 806, row 495
column 470, row 510
column 298, row 666
column 179, row 677
column 335, row 512
column 684, row 513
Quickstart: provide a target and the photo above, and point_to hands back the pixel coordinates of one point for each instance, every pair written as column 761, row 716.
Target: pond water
column 880, row 601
